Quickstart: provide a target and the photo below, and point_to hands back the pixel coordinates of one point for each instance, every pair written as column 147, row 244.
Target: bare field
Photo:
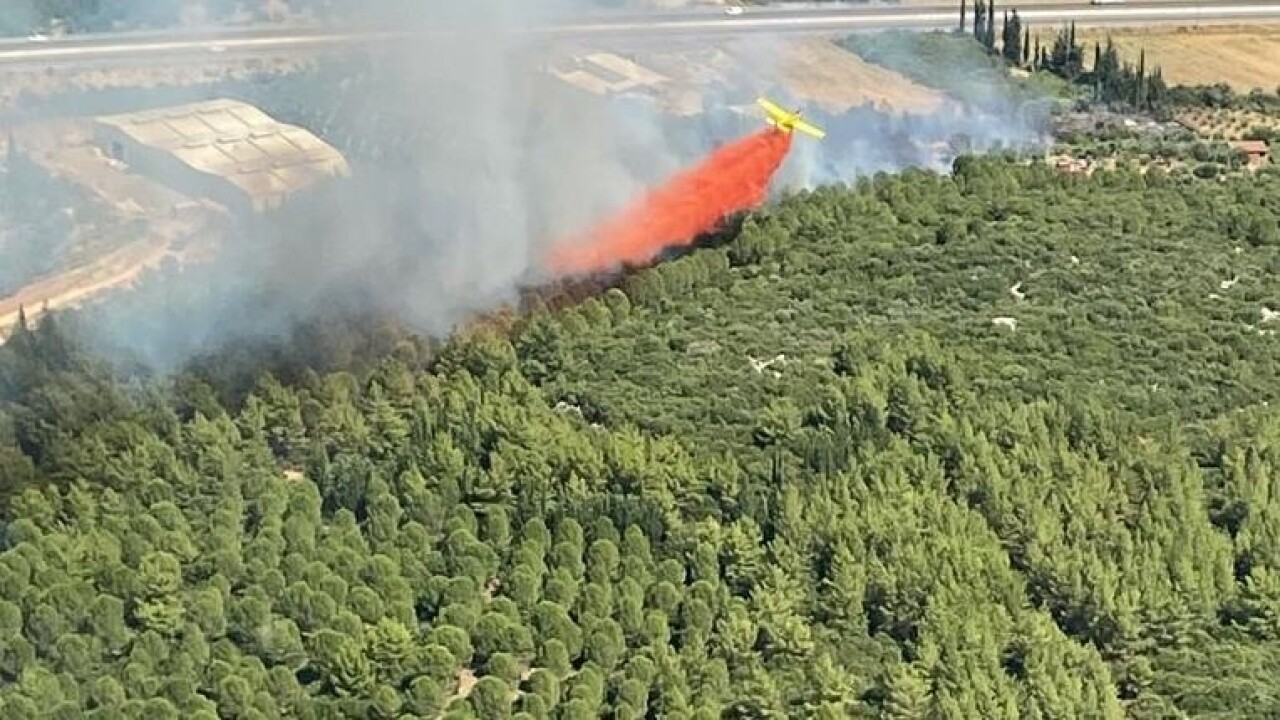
column 115, row 270
column 835, row 79
column 1244, row 57
column 815, row 71
column 137, row 224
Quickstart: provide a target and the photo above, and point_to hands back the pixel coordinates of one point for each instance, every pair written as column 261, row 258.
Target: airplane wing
column 775, row 111
column 805, row 127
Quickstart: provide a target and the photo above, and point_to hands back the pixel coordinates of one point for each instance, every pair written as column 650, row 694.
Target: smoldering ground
column 469, row 161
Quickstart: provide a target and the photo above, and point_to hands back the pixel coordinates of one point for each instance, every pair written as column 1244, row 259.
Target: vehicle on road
column 734, row 10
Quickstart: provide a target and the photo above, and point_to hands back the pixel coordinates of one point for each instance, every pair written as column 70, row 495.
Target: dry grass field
column 1244, row 57
column 835, row 79
column 814, row 70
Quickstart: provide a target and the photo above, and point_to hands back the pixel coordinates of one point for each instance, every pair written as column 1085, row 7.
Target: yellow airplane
column 786, row 121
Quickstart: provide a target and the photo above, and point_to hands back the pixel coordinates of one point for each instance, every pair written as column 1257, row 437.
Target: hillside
column 801, row 474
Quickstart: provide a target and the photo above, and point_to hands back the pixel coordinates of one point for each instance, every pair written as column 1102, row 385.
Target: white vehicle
column 734, row 10
column 1106, row 2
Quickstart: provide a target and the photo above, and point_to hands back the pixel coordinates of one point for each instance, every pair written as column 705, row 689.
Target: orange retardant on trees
column 733, row 178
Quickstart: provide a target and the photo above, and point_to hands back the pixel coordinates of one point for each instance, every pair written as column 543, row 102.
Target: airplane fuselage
column 787, row 124
column 788, row 121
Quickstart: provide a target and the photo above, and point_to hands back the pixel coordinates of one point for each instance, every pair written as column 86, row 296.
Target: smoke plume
column 470, row 162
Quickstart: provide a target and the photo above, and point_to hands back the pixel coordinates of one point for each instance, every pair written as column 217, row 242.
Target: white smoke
column 469, row 161
column 473, row 161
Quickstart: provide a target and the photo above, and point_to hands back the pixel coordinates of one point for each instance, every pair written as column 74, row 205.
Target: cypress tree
column 1156, row 88
column 1012, row 38
column 991, row 26
column 1005, row 30
column 1139, row 85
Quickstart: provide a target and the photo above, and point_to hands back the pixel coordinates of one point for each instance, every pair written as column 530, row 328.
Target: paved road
column 140, row 48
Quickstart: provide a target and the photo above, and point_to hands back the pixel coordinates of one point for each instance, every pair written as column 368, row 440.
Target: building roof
column 623, row 70
column 606, row 74
column 265, row 158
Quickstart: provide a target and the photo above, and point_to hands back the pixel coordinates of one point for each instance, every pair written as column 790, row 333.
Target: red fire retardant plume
column 733, row 178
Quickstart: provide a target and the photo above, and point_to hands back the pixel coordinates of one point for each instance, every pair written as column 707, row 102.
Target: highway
column 149, row 47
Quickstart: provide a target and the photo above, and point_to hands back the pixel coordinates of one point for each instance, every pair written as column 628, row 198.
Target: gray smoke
column 18, row 17
column 986, row 110
column 469, row 161
column 864, row 141
column 39, row 16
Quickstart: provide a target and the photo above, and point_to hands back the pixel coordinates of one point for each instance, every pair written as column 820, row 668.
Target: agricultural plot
column 1244, row 57
column 1218, row 124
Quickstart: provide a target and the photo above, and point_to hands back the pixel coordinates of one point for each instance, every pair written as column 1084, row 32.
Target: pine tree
column 906, row 693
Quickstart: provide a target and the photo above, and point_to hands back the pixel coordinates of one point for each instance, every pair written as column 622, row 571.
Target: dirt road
column 115, row 270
